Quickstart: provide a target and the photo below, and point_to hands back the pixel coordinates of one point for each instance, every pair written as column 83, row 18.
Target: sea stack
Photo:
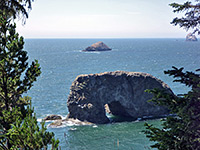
column 122, row 92
column 191, row 37
column 99, row 46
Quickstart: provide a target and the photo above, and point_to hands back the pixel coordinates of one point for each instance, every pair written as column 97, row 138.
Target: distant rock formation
column 123, row 92
column 191, row 37
column 99, row 46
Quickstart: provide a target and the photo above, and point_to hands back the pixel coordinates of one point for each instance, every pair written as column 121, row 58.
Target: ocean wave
column 92, row 52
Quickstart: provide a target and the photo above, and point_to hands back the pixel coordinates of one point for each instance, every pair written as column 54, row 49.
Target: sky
column 101, row 19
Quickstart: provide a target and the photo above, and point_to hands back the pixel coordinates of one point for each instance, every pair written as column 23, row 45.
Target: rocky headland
column 99, row 46
column 123, row 92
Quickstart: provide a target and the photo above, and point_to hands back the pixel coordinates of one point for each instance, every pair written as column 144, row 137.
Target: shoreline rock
column 99, row 46
column 68, row 122
column 53, row 117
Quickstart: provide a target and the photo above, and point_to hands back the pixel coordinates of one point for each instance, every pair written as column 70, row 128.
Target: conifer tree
column 16, row 8
column 19, row 128
column 192, row 15
column 181, row 132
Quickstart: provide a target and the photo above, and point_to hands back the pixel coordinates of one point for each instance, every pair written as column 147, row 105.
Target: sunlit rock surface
column 99, row 46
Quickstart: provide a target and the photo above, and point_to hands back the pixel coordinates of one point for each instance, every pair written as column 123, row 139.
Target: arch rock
column 124, row 93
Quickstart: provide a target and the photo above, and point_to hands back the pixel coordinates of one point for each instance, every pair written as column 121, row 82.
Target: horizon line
column 106, row 38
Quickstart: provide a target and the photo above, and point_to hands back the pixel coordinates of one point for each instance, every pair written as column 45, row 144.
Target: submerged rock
column 123, row 92
column 191, row 37
column 99, row 46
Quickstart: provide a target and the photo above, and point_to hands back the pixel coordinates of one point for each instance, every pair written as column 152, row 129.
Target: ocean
column 62, row 60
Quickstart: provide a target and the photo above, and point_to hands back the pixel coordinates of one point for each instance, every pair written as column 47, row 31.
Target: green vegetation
column 183, row 130
column 191, row 17
column 16, row 8
column 180, row 132
column 19, row 128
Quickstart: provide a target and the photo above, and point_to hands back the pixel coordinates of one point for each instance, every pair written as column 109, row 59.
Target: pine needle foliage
column 16, row 8
column 19, row 129
column 191, row 19
column 181, row 132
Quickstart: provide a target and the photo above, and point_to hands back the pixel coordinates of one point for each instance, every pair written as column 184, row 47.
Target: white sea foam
column 95, row 126
column 92, row 52
column 72, row 129
column 39, row 120
column 89, row 52
column 70, row 123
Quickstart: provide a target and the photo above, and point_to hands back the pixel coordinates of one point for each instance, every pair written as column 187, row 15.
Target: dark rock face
column 191, row 37
column 123, row 92
column 99, row 46
column 53, row 117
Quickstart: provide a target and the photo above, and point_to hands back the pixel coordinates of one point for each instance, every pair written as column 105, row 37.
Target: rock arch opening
column 117, row 113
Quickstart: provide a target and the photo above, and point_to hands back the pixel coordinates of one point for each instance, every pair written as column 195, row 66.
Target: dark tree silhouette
column 191, row 18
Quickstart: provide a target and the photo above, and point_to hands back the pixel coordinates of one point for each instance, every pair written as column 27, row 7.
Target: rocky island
column 191, row 37
column 99, row 46
column 123, row 92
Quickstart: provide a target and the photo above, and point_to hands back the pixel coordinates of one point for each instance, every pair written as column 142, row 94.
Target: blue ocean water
column 61, row 61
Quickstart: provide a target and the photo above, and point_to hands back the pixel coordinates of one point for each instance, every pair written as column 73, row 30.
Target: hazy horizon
column 101, row 19
column 102, row 38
